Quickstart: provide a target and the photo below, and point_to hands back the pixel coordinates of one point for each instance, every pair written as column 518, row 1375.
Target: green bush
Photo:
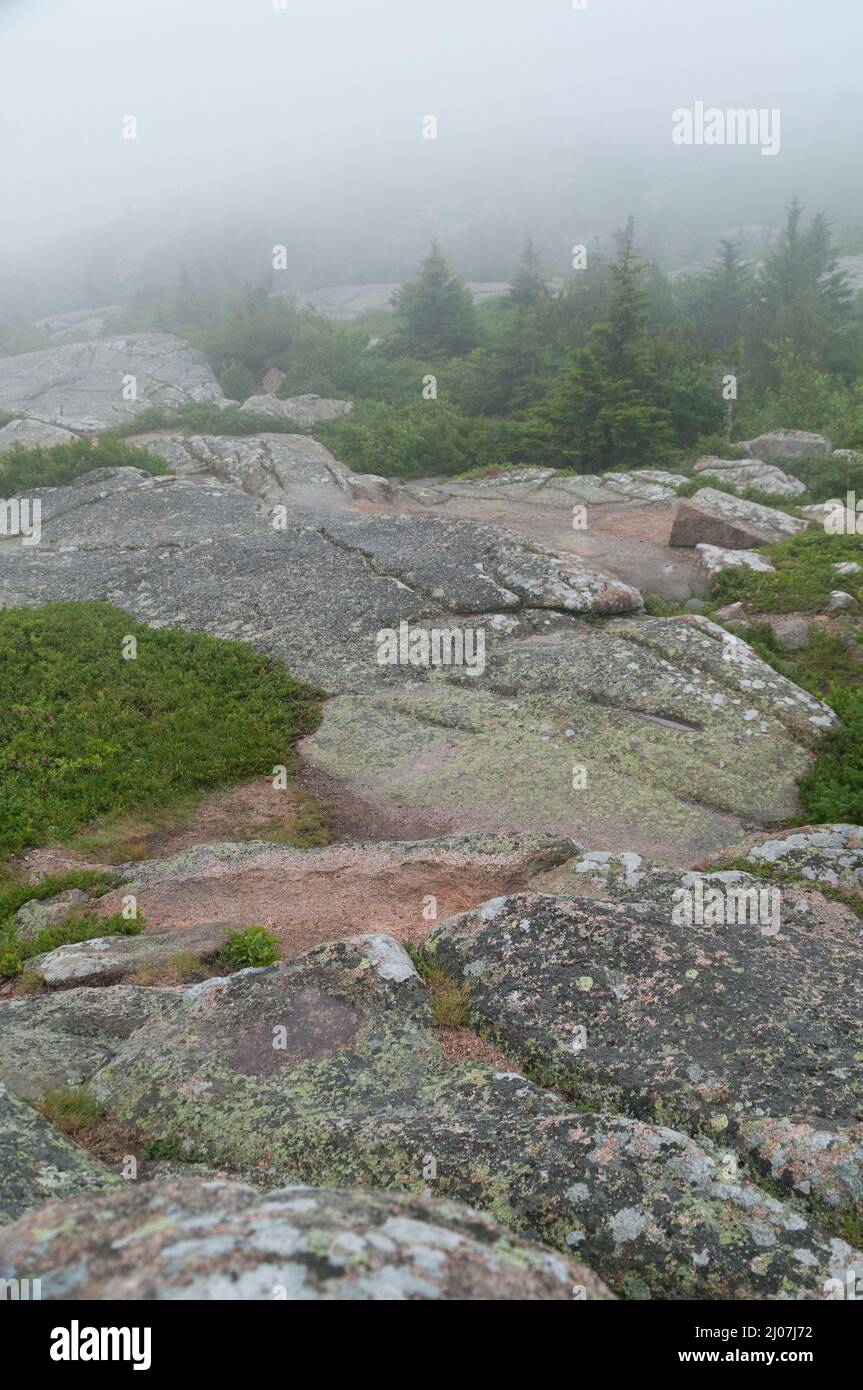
column 237, row 381
column 251, row 946
column 22, row 468
column 804, row 575
column 11, row 958
column 832, row 789
column 202, row 417
column 85, row 733
column 426, row 439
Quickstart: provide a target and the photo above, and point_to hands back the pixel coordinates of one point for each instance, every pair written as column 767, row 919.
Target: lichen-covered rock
column 718, row 1009
column 716, row 518
column 39, row 1165
column 788, row 444
column 106, row 959
column 327, row 1070
column 546, row 487
column 711, row 560
column 276, row 468
column 828, row 854
column 661, row 715
column 626, row 877
column 221, row 1241
column 792, row 630
column 753, row 473
column 206, row 556
column 84, row 386
column 57, row 1041
column 840, row 601
column 425, row 552
column 41, row 913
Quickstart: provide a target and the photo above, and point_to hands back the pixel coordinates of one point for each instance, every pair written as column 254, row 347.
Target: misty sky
column 310, row 118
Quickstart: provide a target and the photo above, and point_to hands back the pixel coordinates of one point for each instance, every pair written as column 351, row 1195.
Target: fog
column 303, row 125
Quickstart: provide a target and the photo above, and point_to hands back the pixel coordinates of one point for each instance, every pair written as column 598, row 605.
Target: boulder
column 725, row 1015
column 792, row 631
column 711, row 560
column 38, row 1165
column 847, row 567
column 272, row 381
column 328, row 1070
column 306, row 411
column 289, row 469
column 820, row 854
column 107, row 959
column 839, row 602
column 716, row 518
column 787, row 444
column 731, row 614
column 32, row 434
column 39, row 914
column 186, row 1239
column 754, row 473
column 82, row 386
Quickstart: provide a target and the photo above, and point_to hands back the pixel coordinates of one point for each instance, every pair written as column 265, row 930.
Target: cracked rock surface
column 744, row 1030
column 681, row 737
column 327, row 1069
column 81, row 385
column 688, row 738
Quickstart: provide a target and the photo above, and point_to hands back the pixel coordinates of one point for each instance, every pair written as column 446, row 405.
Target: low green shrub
column 250, row 946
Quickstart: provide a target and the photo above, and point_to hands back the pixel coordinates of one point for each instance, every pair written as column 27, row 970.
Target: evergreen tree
column 601, row 411
column 804, row 297
column 529, row 289
column 724, row 299
column 435, row 313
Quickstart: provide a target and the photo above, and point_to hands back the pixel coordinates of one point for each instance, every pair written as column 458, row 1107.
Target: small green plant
column 11, row 959
column 655, row 606
column 251, row 946
column 449, row 999
column 171, row 1149
column 183, row 968
column 72, row 1109
column 804, row 576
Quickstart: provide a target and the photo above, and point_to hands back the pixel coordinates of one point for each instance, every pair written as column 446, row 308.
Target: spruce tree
column 529, row 289
column 601, row 411
column 435, row 313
